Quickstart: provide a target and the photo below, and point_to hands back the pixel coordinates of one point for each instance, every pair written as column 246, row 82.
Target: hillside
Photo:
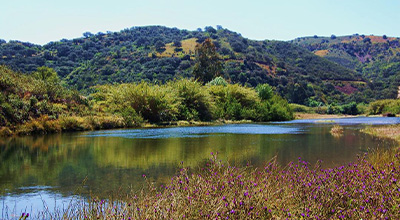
column 376, row 58
column 159, row 54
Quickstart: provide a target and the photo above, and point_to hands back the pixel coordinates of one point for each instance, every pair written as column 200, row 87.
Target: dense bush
column 196, row 101
column 152, row 102
column 23, row 97
column 39, row 104
column 189, row 100
column 384, row 106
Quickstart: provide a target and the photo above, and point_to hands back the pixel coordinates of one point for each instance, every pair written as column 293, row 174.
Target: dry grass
column 321, row 53
column 388, row 131
column 188, row 47
column 357, row 190
column 337, row 131
column 318, row 116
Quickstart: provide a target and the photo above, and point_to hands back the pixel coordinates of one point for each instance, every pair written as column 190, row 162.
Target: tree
column 87, row 34
column 265, row 91
column 210, row 29
column 208, row 64
column 160, row 47
column 46, row 74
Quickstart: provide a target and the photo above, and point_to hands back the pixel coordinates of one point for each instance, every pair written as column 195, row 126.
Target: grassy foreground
column 357, row 190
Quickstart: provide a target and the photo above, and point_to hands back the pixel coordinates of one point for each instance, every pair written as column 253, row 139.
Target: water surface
column 49, row 171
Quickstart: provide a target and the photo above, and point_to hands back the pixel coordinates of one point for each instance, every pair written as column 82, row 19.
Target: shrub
column 151, row 102
column 350, row 109
column 218, row 81
column 196, row 103
column 300, row 108
column 384, row 106
column 265, row 91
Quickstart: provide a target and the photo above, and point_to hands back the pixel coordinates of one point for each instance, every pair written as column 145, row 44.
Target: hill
column 375, row 58
column 159, row 54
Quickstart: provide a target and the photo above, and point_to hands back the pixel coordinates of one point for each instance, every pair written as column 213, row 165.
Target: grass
column 218, row 190
column 337, row 131
column 188, row 47
column 391, row 131
column 321, row 53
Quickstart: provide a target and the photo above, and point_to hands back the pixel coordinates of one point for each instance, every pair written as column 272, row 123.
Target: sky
column 43, row 21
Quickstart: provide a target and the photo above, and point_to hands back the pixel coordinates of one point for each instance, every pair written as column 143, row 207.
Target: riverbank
column 45, row 125
column 300, row 115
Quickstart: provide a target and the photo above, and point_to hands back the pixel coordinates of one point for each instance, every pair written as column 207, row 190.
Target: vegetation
column 38, row 103
column 387, row 106
column 189, row 100
column 208, row 64
column 332, row 109
column 158, row 54
column 375, row 58
column 337, row 130
column 392, row 131
column 296, row 191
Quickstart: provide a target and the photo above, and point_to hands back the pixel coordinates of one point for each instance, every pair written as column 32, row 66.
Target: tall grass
column 356, row 190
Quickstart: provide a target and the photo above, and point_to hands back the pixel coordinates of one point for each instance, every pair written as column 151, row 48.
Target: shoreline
column 299, row 115
column 45, row 126
column 56, row 126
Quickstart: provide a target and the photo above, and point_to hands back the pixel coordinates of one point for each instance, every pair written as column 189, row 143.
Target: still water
column 49, row 171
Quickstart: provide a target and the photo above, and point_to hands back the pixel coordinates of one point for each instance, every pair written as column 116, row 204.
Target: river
column 48, row 172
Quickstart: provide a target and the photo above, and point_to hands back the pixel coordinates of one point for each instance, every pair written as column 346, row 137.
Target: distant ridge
column 375, row 58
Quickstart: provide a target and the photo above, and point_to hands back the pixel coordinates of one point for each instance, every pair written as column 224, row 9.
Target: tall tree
column 208, row 64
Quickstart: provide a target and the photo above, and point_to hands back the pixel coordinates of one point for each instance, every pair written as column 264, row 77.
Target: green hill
column 375, row 58
column 159, row 54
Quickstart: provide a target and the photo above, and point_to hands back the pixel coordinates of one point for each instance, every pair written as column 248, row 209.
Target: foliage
column 208, row 64
column 265, row 91
column 218, row 81
column 46, row 74
column 38, row 104
column 159, row 54
column 196, row 101
column 188, row 100
column 384, row 106
column 237, row 102
column 350, row 109
column 374, row 58
column 23, row 98
column 153, row 103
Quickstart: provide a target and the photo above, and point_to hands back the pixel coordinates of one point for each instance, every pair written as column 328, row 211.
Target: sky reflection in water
column 199, row 131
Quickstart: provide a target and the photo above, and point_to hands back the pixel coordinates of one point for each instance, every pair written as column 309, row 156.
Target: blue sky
column 42, row 21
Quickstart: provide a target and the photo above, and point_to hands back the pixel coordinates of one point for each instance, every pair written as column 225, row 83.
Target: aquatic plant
column 337, row 130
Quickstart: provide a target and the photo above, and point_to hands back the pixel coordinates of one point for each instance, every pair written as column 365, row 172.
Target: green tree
column 265, row 91
column 208, row 64
column 46, row 74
